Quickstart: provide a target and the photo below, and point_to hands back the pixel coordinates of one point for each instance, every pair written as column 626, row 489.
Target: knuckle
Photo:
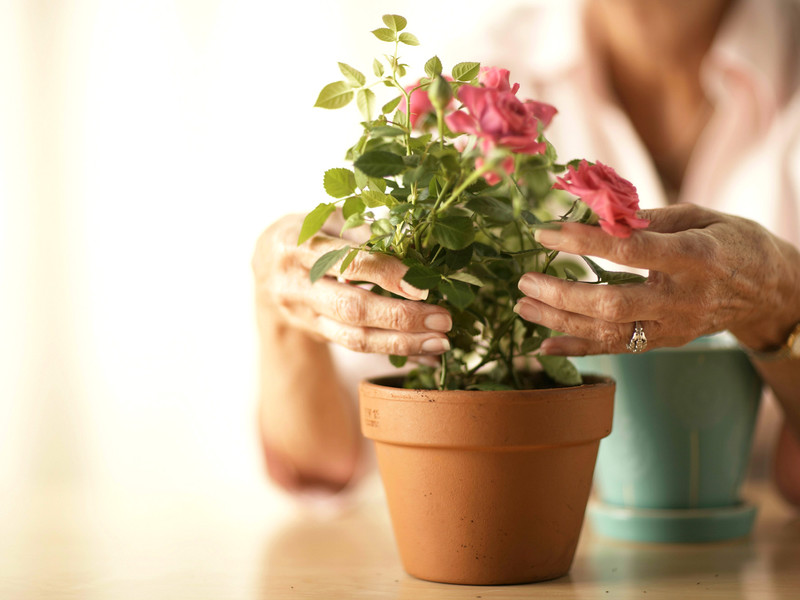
column 628, row 250
column 354, row 339
column 614, row 307
column 610, row 336
column 349, row 310
column 361, row 265
column 402, row 346
column 401, row 317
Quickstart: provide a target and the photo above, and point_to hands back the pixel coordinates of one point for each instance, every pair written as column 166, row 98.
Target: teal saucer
column 687, row 525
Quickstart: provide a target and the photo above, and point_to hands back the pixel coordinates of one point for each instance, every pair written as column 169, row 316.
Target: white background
column 144, row 145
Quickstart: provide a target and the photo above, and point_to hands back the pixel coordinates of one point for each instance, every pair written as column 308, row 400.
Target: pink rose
column 421, row 107
column 498, row 116
column 496, row 79
column 611, row 197
column 542, row 111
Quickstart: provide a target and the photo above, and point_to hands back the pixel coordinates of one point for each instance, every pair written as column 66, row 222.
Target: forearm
column 783, row 377
column 769, row 333
column 308, row 423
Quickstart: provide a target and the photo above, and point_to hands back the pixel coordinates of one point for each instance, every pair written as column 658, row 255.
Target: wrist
column 767, row 349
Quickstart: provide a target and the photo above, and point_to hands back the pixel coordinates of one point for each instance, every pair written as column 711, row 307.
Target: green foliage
column 335, row 95
column 464, row 241
column 612, row 277
column 339, row 183
column 380, row 163
column 326, row 262
column 314, row 221
column 466, row 71
column 433, row 67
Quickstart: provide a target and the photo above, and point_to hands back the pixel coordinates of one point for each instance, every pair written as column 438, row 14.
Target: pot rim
column 498, row 419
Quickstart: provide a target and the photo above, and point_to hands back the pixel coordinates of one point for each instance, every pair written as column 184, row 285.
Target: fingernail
column 529, row 287
column 413, row 292
column 438, row 322
column 436, row 345
column 548, row 237
column 528, row 311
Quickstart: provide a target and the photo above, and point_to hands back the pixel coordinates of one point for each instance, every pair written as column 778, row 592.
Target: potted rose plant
column 487, row 457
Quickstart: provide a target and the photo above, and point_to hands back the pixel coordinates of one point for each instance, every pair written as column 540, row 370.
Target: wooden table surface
column 67, row 541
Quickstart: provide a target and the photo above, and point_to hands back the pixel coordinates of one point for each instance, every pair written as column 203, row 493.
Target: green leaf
column 397, row 361
column 384, row 34
column 467, row 278
column 433, row 67
column 314, row 221
column 348, row 259
column 458, row 259
column 382, row 227
column 339, row 183
column 377, row 67
column 422, row 277
column 366, row 101
column 334, row 95
column 354, row 76
column 400, row 118
column 387, row 131
column 454, row 232
column 380, row 163
column 361, row 178
column 466, row 71
column 612, row 277
column 395, row 22
column 409, row 39
column 560, row 369
column 352, row 206
column 491, row 208
column 458, row 293
column 530, row 344
column 354, row 220
column 373, row 198
column 391, row 105
column 620, row 277
column 377, row 183
column 326, row 261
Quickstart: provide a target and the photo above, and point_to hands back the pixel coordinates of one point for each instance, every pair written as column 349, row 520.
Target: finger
column 385, row 271
column 642, row 250
column 359, row 307
column 585, row 335
column 609, row 337
column 381, row 341
column 565, row 345
column 624, row 303
column 679, row 217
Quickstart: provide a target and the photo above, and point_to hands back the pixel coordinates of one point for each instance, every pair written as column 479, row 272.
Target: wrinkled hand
column 708, row 272
column 339, row 312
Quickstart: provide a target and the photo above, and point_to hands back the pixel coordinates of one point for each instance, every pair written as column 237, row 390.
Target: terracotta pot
column 487, row 487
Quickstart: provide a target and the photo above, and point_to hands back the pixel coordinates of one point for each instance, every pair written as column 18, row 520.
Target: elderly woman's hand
column 708, row 272
column 339, row 312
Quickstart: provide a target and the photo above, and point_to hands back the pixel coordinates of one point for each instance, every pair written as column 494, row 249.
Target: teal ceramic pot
column 683, row 425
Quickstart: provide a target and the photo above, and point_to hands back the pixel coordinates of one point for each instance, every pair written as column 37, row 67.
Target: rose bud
column 440, row 93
